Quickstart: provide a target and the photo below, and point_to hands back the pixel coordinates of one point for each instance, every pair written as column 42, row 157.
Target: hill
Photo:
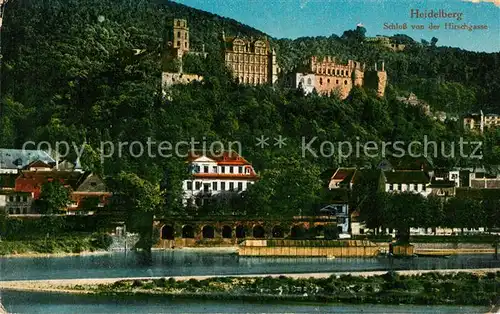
column 71, row 73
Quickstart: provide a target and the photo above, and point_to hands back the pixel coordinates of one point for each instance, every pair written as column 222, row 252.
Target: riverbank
column 57, row 246
column 453, row 286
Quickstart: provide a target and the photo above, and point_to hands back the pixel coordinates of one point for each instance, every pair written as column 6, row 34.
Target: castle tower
column 180, row 40
column 381, row 80
column 359, row 74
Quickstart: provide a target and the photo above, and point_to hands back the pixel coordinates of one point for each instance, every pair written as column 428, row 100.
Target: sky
column 298, row 18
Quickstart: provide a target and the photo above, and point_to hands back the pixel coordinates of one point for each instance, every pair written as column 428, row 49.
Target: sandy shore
column 69, row 285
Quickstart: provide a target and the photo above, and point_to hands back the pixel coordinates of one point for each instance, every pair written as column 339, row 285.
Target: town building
column 216, row 174
column 19, row 191
column 480, row 121
column 327, row 75
column 482, row 179
column 444, row 183
column 414, row 181
column 252, row 61
column 342, row 178
column 14, row 160
column 340, row 210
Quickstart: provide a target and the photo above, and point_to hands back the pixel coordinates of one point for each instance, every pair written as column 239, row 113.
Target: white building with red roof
column 213, row 174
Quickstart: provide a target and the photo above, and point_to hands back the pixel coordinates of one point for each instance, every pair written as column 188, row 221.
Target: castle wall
column 168, row 79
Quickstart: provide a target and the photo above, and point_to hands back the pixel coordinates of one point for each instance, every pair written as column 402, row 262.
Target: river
column 191, row 262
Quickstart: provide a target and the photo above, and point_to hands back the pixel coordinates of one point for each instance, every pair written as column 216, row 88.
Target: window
column 342, row 72
column 198, row 185
column 320, row 81
column 189, row 185
column 347, row 73
column 240, row 169
column 240, row 186
column 214, row 186
column 230, row 169
column 11, row 198
column 337, row 82
column 309, row 81
column 361, row 231
column 231, row 186
column 223, row 186
column 328, row 81
column 178, row 43
column 424, row 188
column 345, row 82
column 185, row 44
column 214, row 169
column 205, row 169
column 391, row 187
column 399, row 187
column 18, row 198
column 222, row 169
column 178, row 34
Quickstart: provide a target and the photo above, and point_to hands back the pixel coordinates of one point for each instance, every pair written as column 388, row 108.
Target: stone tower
column 381, row 80
column 359, row 73
column 180, row 38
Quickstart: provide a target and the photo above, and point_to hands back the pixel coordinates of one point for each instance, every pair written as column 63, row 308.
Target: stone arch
column 258, row 232
column 167, row 232
column 297, row 232
column 278, row 232
column 188, row 232
column 240, row 232
column 227, row 232
column 208, row 232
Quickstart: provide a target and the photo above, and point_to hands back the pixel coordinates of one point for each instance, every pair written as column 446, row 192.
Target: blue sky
column 297, row 18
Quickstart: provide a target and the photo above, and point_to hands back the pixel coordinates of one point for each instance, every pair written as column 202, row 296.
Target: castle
column 251, row 60
column 327, row 75
column 178, row 47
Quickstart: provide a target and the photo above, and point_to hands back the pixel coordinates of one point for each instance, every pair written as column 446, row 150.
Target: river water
column 191, row 262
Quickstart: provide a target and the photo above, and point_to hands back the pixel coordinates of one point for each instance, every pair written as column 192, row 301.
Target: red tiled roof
column 236, row 176
column 342, row 173
column 225, row 158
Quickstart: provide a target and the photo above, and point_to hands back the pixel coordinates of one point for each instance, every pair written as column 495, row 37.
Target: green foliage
column 54, row 198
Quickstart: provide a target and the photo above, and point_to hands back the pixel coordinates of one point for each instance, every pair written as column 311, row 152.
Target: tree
column 403, row 212
column 434, row 41
column 140, row 200
column 54, row 197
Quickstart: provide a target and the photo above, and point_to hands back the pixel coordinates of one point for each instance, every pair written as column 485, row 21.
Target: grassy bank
column 78, row 244
column 391, row 288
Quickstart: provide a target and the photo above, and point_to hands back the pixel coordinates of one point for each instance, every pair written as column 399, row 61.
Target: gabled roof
column 341, row 174
column 223, row 158
column 38, row 164
column 19, row 158
column 406, row 176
